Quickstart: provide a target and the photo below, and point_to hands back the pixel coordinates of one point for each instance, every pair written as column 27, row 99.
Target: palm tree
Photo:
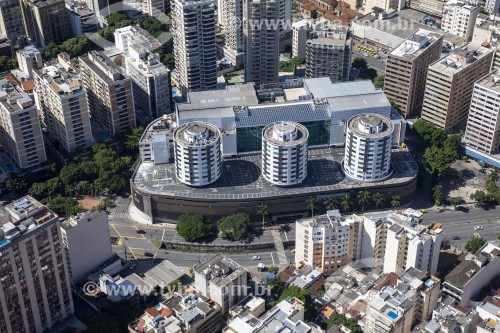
column 378, row 199
column 395, row 202
column 494, row 175
column 312, row 204
column 363, row 198
column 330, row 203
column 346, row 202
column 264, row 210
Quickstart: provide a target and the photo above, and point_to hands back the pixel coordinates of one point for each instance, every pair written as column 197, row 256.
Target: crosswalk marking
column 278, row 243
column 118, row 216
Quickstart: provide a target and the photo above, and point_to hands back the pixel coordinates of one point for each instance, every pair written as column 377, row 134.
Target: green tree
column 378, row 199
column 363, row 199
column 455, row 201
column 275, row 285
column 132, row 139
column 395, row 201
column 440, row 159
column 16, row 185
column 453, row 141
column 494, row 176
column 340, row 319
column 264, row 210
column 7, row 63
column 64, row 206
column 359, row 63
column 345, row 203
column 71, row 174
column 234, row 226
column 193, row 227
column 274, row 269
column 312, row 204
column 474, row 244
column 116, row 19
column 438, row 137
column 424, row 129
column 168, row 60
column 297, row 61
column 379, row 81
column 51, row 50
column 437, row 194
column 480, row 197
column 331, row 203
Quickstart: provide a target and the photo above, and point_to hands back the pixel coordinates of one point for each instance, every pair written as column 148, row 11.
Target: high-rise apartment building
column 482, row 133
column 459, row 18
column 233, row 29
column 492, row 6
column 260, row 21
column 328, row 54
column 62, row 101
column 87, row 242
column 35, row 291
column 449, row 86
column 300, row 32
column 28, row 59
column 193, row 27
column 11, row 20
column 20, row 129
column 109, row 93
column 221, row 279
column 150, row 78
column 46, row 21
column 327, row 242
column 406, row 70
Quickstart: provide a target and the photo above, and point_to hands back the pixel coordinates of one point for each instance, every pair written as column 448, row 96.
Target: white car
column 478, row 227
column 255, row 258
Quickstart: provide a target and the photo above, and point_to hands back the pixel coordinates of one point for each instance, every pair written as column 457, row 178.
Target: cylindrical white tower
column 284, row 153
column 197, row 153
column 368, row 147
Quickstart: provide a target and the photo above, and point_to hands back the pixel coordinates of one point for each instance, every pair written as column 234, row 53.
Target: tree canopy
column 234, row 226
column 304, row 295
column 474, row 244
column 379, row 81
column 193, row 227
column 340, row 319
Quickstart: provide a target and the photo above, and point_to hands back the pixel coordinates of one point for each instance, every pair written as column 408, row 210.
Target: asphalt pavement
column 138, row 239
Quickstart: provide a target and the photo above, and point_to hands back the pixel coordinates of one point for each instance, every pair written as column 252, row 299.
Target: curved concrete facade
column 197, row 153
column 368, row 148
column 284, row 153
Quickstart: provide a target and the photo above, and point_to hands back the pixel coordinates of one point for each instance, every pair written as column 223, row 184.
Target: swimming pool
column 392, row 315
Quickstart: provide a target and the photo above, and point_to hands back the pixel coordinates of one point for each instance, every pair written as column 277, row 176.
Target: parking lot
column 126, row 231
column 368, row 52
column 142, row 254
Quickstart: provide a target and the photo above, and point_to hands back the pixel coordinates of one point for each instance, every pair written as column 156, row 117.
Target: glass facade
column 249, row 139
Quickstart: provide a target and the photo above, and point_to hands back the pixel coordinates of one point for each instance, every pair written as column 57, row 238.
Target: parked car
column 148, row 254
column 140, row 231
column 456, row 238
column 478, row 227
column 256, row 258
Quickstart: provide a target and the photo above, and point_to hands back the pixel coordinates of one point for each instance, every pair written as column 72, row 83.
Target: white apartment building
column 232, row 15
column 492, row 6
column 482, row 134
column 62, row 100
column 260, row 18
column 20, row 130
column 35, row 293
column 368, row 147
column 397, row 242
column 197, row 153
column 300, row 31
column 459, row 18
column 222, row 280
column 87, row 241
column 391, row 311
column 157, row 142
column 29, row 58
column 327, row 242
column 193, row 27
column 284, row 153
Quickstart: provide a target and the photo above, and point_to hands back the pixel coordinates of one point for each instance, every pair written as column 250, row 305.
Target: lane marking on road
column 162, row 236
column 135, row 235
column 272, row 258
column 139, row 253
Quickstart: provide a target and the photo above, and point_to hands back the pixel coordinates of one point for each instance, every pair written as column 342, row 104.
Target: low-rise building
column 222, row 280
column 186, row 313
column 475, row 272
